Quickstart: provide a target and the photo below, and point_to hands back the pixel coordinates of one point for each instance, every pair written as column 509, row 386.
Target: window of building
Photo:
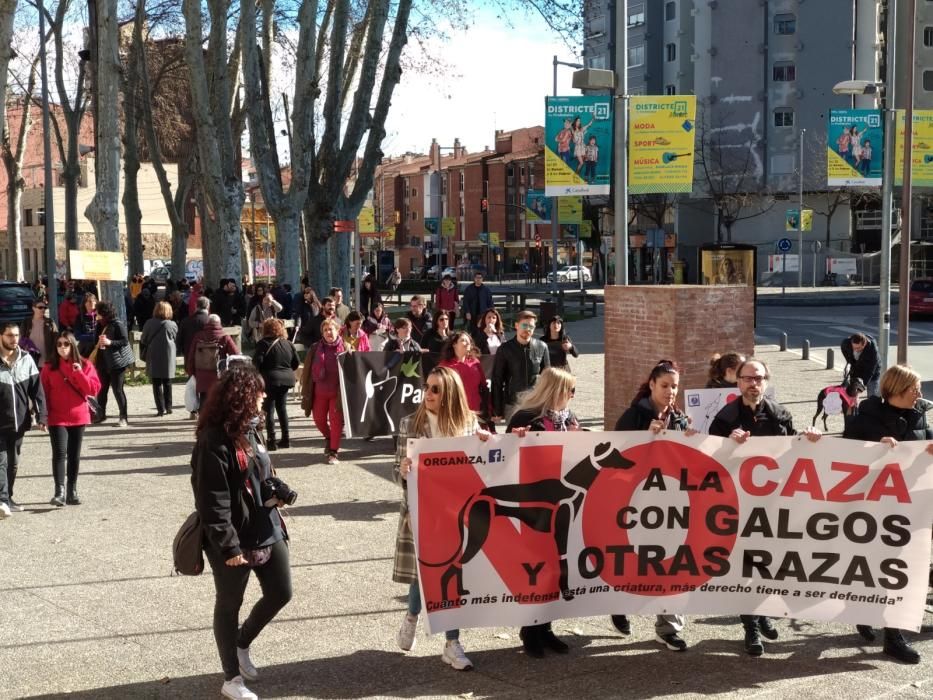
column 597, row 62
column 670, row 89
column 414, row 191
column 785, row 24
column 28, row 216
column 670, row 11
column 461, row 181
column 636, row 56
column 784, row 72
column 783, row 117
column 928, row 36
column 414, row 216
column 928, row 80
column 636, row 15
column 521, row 172
column 40, row 215
column 671, row 52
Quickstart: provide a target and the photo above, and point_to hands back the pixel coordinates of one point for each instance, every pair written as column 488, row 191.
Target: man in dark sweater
column 518, row 363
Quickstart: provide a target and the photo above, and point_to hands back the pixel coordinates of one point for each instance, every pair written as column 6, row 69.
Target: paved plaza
column 88, row 607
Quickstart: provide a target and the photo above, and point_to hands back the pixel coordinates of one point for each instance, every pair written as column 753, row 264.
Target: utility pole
column 803, row 132
column 50, row 267
column 620, row 139
column 903, row 316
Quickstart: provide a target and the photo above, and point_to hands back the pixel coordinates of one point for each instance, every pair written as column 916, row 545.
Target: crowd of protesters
column 64, row 374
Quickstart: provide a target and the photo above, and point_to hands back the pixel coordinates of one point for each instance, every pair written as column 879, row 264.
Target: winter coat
column 188, row 328
column 85, row 330
column 420, row 325
column 309, row 324
column 446, row 299
column 66, row 391
column 259, row 314
column 556, row 352
column 369, row 299
column 770, row 419
column 432, row 341
column 323, row 366
column 876, row 418
column 21, row 394
column 481, row 340
column 143, row 307
column 68, row 313
column 537, row 423
column 118, row 355
column 474, row 382
column 639, row 415
column 211, row 333
column 276, row 359
column 157, row 347
column 476, row 302
column 515, row 370
column 868, row 365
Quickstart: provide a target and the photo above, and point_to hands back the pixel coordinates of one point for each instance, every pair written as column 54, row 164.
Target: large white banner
column 516, row 531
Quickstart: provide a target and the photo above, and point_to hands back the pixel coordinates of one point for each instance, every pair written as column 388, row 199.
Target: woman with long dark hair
column 67, row 380
column 276, row 359
column 369, row 296
column 442, row 413
column 308, row 332
column 242, row 528
column 435, row 338
column 352, row 333
column 459, row 354
column 653, row 408
column 722, row 370
column 489, row 333
column 114, row 355
column 38, row 333
column 157, row 346
column 899, row 414
column 86, row 324
column 545, row 408
column 559, row 344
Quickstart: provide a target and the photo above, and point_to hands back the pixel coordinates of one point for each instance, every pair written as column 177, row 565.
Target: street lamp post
column 555, row 218
column 803, row 133
column 620, row 139
column 903, row 315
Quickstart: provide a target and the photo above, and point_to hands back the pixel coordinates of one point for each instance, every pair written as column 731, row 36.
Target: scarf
column 560, row 419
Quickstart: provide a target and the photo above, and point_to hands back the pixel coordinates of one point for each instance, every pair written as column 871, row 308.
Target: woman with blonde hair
column 443, row 412
column 157, row 347
column 545, row 408
column 276, row 359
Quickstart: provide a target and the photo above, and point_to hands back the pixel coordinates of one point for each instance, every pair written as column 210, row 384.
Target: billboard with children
column 578, row 146
column 661, row 140
column 855, row 148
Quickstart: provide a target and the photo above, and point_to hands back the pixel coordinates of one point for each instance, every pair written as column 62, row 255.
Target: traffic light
column 484, row 205
column 398, row 216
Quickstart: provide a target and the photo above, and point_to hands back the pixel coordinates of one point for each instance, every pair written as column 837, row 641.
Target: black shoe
column 284, row 443
column 58, row 500
column 672, row 641
column 622, row 624
column 766, row 627
column 895, row 645
column 159, row 414
column 866, row 632
column 271, row 446
column 72, row 498
column 753, row 645
column 168, row 411
column 99, row 418
column 551, row 641
column 531, row 642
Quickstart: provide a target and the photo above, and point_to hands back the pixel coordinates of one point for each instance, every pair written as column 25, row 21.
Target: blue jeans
column 414, row 608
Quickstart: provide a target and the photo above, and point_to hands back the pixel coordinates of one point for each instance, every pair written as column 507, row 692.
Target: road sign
column 784, row 245
column 344, row 226
column 783, row 263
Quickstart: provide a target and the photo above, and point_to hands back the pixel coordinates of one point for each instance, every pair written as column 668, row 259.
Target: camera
column 274, row 489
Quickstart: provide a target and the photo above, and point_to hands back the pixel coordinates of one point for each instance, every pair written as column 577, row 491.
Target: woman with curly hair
column 242, row 528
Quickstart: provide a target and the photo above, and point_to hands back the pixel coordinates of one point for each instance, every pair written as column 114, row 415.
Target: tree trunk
column 7, row 17
column 71, row 181
column 247, row 246
column 318, row 233
column 15, row 268
column 103, row 212
column 210, row 256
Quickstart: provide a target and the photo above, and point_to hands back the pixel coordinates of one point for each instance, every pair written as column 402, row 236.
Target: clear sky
column 497, row 78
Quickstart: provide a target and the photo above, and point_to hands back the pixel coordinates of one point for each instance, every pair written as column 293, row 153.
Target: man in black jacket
column 21, row 395
column 192, row 324
column 421, row 321
column 861, row 352
column 228, row 304
column 518, row 363
column 477, row 300
column 755, row 416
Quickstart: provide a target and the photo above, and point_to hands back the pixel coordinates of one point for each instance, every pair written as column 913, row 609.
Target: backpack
column 188, row 547
column 206, row 356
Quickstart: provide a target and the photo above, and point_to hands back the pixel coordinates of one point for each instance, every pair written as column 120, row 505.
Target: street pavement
column 88, row 607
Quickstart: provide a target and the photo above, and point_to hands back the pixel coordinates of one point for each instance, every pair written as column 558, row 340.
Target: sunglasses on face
column 433, row 388
column 526, row 326
column 64, row 344
column 40, row 307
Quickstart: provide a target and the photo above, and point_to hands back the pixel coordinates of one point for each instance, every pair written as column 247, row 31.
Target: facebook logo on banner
column 495, row 456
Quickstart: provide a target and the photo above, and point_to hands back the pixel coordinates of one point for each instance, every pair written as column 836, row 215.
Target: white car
column 571, row 273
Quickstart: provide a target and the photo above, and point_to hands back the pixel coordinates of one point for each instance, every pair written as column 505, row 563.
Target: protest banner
column 578, row 145
column 854, row 148
column 516, row 531
column 661, row 143
column 97, row 265
column 378, row 389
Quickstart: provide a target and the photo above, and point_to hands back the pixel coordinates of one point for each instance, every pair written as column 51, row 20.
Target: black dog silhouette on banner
column 548, row 506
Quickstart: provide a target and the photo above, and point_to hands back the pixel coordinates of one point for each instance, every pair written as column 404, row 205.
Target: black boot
column 550, row 640
column 72, row 498
column 896, row 646
column 270, row 445
column 866, row 632
column 621, row 623
column 753, row 645
column 766, row 627
column 531, row 641
column 58, row 500
column 565, row 580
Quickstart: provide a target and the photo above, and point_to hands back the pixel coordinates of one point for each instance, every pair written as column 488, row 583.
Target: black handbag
column 188, row 547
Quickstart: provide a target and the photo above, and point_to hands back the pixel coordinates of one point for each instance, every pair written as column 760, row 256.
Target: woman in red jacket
column 461, row 356
column 67, row 380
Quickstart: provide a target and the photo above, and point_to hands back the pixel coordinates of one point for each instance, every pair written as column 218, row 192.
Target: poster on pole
column 570, row 210
column 661, row 143
column 792, row 220
column 366, row 221
column 448, row 227
column 512, row 531
column 578, row 145
column 537, row 207
column 855, row 148
column 922, row 148
column 97, row 265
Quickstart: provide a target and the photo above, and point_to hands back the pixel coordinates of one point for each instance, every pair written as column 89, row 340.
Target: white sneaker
column 122, row 423
column 406, row 633
column 455, row 657
column 236, row 690
column 249, row 671
column 4, row 511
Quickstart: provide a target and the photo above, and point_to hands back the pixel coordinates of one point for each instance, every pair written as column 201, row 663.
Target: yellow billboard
column 96, row 265
column 922, row 148
column 366, row 221
column 570, row 210
column 661, row 142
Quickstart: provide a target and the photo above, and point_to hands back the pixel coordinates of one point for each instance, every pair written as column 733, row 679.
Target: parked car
column 921, row 298
column 571, row 273
column 433, row 275
column 15, row 301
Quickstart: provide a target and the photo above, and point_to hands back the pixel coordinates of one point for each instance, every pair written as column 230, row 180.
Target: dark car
column 15, row 301
column 921, row 298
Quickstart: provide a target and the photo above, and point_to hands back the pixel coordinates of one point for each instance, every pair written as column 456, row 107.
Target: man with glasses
column 755, row 415
column 421, row 321
column 21, row 395
column 517, row 365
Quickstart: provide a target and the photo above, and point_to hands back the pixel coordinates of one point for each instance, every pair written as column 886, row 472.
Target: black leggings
column 275, row 580
column 275, row 398
column 66, row 449
column 112, row 378
column 162, row 393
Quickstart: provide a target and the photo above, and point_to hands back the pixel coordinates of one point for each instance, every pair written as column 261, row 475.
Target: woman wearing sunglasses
column 653, row 409
column 67, row 380
column 443, row 413
column 546, row 408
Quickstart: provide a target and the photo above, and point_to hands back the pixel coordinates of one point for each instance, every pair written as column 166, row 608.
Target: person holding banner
column 755, row 416
column 402, row 342
column 722, row 370
column 546, row 408
column 654, row 409
column 444, row 412
column 899, row 414
column 320, row 387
